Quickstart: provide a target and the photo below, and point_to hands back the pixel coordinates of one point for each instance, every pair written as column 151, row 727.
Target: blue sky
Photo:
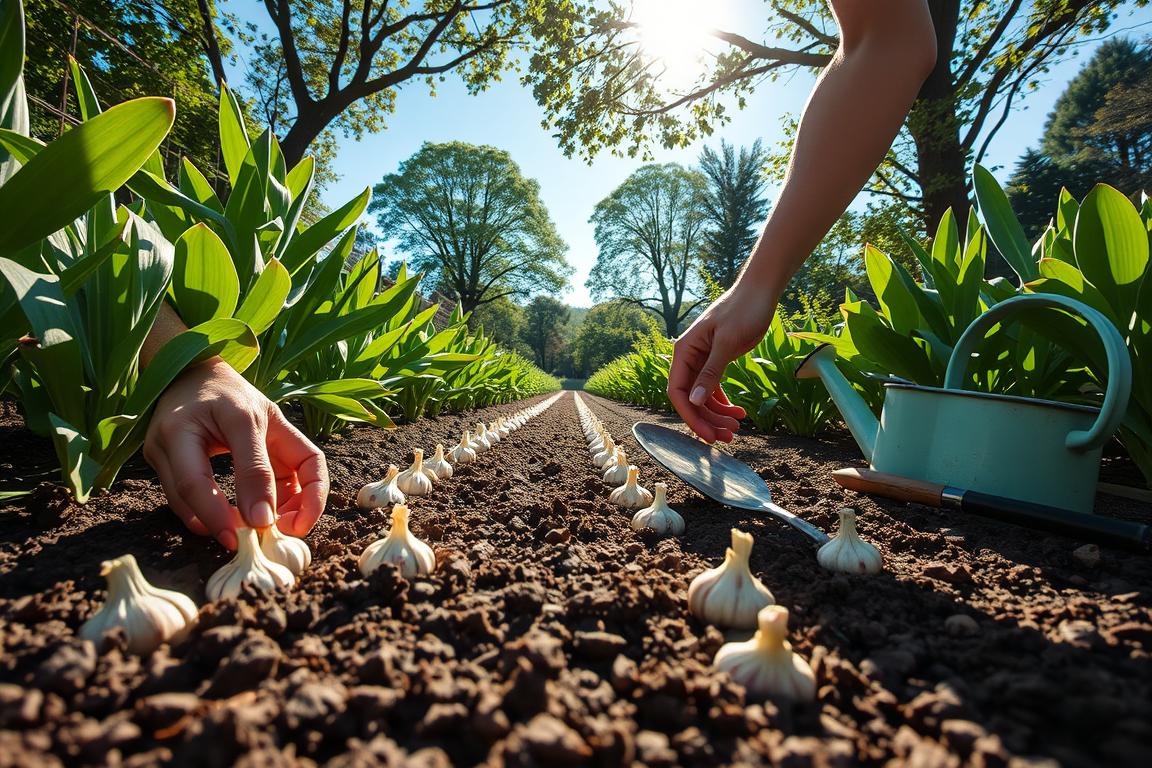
column 507, row 117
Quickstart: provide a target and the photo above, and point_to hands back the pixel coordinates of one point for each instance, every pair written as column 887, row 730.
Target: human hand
column 209, row 410
column 732, row 325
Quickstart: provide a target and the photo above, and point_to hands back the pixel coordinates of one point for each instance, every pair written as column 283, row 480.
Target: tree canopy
column 609, row 330
column 734, row 208
column 544, row 318
column 468, row 218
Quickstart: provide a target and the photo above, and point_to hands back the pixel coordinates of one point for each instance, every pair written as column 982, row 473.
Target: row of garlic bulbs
column 651, row 510
column 400, row 546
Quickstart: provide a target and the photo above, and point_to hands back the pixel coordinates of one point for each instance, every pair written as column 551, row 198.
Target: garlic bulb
column 847, row 552
column 492, row 433
column 415, row 480
column 480, row 441
column 288, row 551
column 149, row 615
column 766, row 665
column 401, row 547
column 730, row 596
column 439, row 466
column 463, row 453
column 659, row 516
column 597, row 443
column 249, row 566
column 616, row 472
column 601, row 459
column 381, row 494
column 631, row 495
column 502, row 428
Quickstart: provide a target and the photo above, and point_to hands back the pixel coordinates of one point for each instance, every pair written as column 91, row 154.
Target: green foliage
column 543, row 319
column 734, row 208
column 609, row 331
column 639, row 378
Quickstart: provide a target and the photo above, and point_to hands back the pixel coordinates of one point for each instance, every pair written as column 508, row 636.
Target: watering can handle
column 1119, row 385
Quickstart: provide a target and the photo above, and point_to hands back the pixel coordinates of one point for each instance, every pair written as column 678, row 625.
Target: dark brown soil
column 553, row 635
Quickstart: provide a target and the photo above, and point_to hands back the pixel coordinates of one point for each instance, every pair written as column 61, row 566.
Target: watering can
column 1009, row 446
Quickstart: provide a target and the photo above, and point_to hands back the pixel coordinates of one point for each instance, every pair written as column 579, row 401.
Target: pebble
column 653, row 749
column 558, row 536
column 552, row 742
column 961, row 625
column 599, row 646
column 1087, row 555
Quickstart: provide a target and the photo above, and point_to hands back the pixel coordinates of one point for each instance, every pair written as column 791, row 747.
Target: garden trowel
column 716, row 474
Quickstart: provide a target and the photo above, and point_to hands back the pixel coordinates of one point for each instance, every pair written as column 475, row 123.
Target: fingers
column 721, row 404
column 292, row 452
column 192, row 491
column 159, row 461
column 689, row 353
column 709, row 376
column 246, row 434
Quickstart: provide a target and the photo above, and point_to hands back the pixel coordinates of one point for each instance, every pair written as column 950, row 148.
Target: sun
column 675, row 34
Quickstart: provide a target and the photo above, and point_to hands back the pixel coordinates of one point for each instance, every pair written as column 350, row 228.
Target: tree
column 600, row 90
column 734, row 206
column 544, row 318
column 341, row 63
column 649, row 233
column 472, row 223
column 503, row 321
column 818, row 286
column 609, row 330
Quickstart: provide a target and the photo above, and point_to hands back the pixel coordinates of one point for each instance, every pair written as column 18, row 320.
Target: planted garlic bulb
column 439, row 465
column 631, row 495
column 463, row 453
column 616, row 473
column 847, row 552
column 480, row 441
column 766, row 665
column 400, row 547
column 730, row 596
column 601, row 459
column 148, row 615
column 502, row 428
column 381, row 494
column 416, row 480
column 596, row 444
column 659, row 516
column 249, row 566
column 288, row 551
column 492, row 433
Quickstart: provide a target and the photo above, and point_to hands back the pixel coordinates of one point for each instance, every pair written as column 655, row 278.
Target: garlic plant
column 601, row 459
column 492, row 432
column 616, row 472
column 847, row 552
column 148, row 615
column 659, row 516
column 729, row 595
column 463, row 453
column 766, row 665
column 439, row 465
column 416, row 480
column 502, row 428
column 631, row 495
column 480, row 441
column 383, row 493
column 249, row 566
column 288, row 551
column 400, row 547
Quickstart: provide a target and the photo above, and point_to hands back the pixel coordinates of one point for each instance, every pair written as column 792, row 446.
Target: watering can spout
column 862, row 423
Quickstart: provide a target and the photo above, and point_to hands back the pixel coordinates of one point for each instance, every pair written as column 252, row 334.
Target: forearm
column 167, row 326
column 855, row 110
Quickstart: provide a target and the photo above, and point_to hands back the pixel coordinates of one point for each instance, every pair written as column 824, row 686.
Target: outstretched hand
column 210, row 410
column 731, row 326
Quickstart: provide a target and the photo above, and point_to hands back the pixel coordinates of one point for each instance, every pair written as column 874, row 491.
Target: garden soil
column 552, row 634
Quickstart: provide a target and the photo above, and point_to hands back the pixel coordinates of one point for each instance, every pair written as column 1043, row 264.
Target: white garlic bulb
column 249, row 566
column 631, row 495
column 401, row 547
column 463, row 453
column 439, row 465
column 492, row 433
column 659, row 516
column 480, row 441
column 766, row 665
column 415, row 480
column 729, row 595
column 601, row 459
column 502, row 428
column 597, row 443
column 149, row 615
column 847, row 552
column 381, row 494
column 288, row 551
column 616, row 472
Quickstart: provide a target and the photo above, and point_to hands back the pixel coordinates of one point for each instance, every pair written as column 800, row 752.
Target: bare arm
column 887, row 49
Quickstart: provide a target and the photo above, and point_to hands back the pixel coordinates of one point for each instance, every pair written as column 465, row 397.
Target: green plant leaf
column 301, row 252
column 1003, row 227
column 265, row 299
column 1111, row 246
column 234, row 143
column 22, row 148
column 85, row 93
column 72, row 448
column 896, row 301
column 204, row 283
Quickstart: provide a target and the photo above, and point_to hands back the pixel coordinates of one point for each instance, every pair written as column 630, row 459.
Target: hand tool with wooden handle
column 1105, row 530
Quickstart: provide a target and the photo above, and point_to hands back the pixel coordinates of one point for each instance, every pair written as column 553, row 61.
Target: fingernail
column 698, row 396
column 261, row 515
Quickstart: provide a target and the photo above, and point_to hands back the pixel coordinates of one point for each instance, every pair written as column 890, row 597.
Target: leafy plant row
column 97, row 236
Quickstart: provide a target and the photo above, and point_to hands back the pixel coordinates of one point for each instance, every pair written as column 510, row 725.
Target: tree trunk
column 308, row 125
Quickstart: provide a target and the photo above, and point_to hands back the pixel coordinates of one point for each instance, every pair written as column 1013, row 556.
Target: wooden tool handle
column 890, row 486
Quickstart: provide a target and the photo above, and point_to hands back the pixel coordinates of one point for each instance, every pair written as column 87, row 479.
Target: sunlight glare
column 676, row 34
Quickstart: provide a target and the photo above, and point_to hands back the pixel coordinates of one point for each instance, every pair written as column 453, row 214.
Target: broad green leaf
column 1003, row 227
column 85, row 93
column 80, row 469
column 233, row 135
column 196, row 186
column 301, row 252
column 1066, row 210
column 22, row 148
column 265, row 299
column 896, row 301
column 204, row 283
column 1111, row 246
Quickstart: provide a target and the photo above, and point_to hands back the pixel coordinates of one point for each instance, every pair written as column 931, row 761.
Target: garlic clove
column 601, row 459
column 766, row 665
column 439, row 465
column 631, row 495
column 847, row 552
column 729, row 595
column 659, row 516
column 249, row 566
column 597, row 443
column 463, row 453
column 400, row 547
column 381, row 494
column 480, row 441
column 616, row 472
column 502, row 428
column 288, row 551
column 493, row 433
column 149, row 616
column 415, row 481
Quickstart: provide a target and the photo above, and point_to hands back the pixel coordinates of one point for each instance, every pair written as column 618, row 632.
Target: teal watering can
column 1013, row 447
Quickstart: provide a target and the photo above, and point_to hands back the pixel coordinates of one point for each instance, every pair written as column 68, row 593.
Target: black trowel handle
column 1104, row 530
